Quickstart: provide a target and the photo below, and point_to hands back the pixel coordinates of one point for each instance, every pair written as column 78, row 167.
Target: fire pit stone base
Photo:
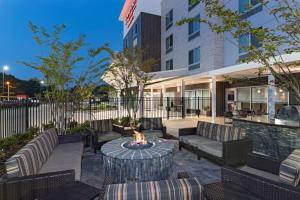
column 143, row 164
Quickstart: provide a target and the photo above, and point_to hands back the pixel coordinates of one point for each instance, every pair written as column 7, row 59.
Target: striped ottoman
column 176, row 189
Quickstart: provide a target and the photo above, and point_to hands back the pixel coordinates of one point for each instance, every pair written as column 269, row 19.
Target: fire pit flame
column 138, row 142
column 139, row 139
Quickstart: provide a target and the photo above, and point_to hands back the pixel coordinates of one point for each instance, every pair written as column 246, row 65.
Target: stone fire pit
column 151, row 162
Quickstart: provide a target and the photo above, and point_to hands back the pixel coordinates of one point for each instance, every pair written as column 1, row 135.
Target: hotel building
column 194, row 60
column 142, row 24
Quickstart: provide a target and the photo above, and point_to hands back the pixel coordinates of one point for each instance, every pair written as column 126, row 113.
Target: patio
column 213, row 160
column 93, row 172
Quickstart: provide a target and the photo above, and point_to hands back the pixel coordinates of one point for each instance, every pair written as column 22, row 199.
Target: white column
column 213, row 98
column 271, row 96
column 164, row 100
column 163, row 89
column 182, row 88
column 151, row 99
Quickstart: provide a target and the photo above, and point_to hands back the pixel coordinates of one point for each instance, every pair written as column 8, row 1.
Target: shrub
column 49, row 125
column 125, row 121
column 78, row 128
column 73, row 124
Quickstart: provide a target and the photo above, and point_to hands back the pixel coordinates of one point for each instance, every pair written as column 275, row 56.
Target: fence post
column 142, row 107
column 198, row 111
column 183, row 108
column 90, row 108
column 26, row 115
column 168, row 108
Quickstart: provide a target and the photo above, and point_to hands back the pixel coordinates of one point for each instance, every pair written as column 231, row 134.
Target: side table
column 74, row 191
column 217, row 191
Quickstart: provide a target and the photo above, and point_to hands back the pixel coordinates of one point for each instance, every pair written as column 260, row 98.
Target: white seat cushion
column 205, row 144
column 65, row 157
column 214, row 148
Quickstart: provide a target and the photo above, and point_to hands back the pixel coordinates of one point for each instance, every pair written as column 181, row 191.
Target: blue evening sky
column 98, row 19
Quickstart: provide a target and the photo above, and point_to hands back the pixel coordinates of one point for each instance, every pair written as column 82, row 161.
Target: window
column 244, row 43
column 169, row 19
column 135, row 30
column 246, row 5
column 169, row 44
column 169, row 64
column 194, row 28
column 247, row 40
column 194, row 58
column 243, row 99
column 193, row 3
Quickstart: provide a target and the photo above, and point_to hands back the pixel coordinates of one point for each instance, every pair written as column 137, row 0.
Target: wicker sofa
column 44, row 164
column 222, row 144
column 182, row 188
column 153, row 127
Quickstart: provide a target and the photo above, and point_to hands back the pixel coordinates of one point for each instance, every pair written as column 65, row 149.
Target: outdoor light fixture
column 8, row 87
column 42, row 82
column 4, row 69
column 258, row 91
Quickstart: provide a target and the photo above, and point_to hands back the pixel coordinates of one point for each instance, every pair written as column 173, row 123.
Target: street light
column 8, row 87
column 42, row 83
column 4, row 68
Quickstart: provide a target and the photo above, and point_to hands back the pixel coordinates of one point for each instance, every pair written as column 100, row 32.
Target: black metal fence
column 16, row 116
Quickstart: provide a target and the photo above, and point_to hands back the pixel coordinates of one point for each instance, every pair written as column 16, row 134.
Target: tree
column 60, row 59
column 125, row 74
column 272, row 43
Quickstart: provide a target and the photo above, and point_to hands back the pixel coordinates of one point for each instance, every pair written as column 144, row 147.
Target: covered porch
column 211, row 93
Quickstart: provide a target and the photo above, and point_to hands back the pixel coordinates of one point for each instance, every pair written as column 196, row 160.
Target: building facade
column 142, row 21
column 194, row 62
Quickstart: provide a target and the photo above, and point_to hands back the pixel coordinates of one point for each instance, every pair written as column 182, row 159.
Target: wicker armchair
column 153, row 127
column 34, row 187
column 103, row 131
column 259, row 187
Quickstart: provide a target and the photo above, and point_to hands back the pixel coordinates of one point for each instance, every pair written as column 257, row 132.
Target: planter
column 124, row 130
column 208, row 113
column 86, row 137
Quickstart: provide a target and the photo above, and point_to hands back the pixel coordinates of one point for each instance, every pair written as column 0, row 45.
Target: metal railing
column 16, row 116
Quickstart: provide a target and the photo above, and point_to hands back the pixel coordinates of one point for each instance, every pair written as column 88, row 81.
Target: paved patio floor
column 93, row 173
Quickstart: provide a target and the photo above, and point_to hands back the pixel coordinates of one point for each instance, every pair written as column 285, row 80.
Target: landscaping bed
column 11, row 145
